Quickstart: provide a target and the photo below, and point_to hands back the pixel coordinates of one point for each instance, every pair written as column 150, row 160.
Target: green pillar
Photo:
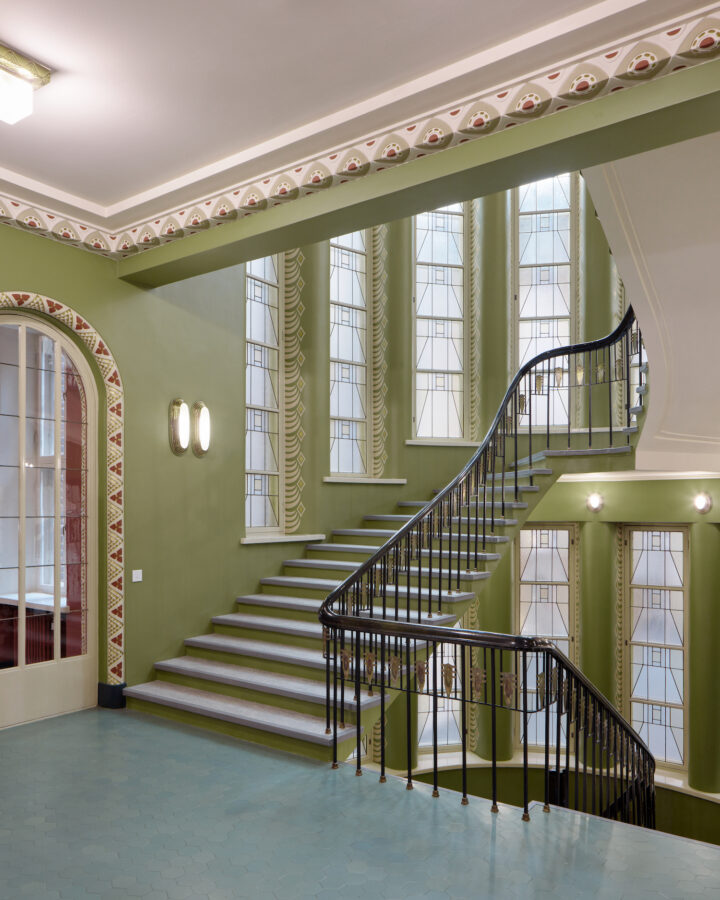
column 494, row 363
column 703, row 688
column 596, row 284
column 598, row 591
column 400, row 357
column 496, row 614
column 315, row 374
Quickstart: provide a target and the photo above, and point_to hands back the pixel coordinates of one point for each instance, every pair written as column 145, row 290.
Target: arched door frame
column 111, row 616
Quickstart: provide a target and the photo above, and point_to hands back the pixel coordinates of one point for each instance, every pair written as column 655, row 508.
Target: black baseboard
column 110, row 696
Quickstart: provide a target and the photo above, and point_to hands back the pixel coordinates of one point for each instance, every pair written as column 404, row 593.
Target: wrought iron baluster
column 335, row 705
column 463, row 722
column 358, row 769
column 546, row 671
column 558, row 729
column 408, row 714
column 436, row 792
column 526, row 814
column 383, row 778
column 493, row 730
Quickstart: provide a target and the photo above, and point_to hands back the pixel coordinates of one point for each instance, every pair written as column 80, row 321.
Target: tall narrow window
column 439, row 323
column 544, row 238
column 449, row 716
column 657, row 641
column 262, row 395
column 348, row 355
column 546, row 610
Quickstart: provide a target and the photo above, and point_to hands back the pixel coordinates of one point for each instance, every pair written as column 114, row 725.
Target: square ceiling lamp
column 20, row 77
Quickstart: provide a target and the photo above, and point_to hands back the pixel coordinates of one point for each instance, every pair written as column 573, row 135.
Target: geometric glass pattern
column 348, row 354
column 449, row 713
column 657, row 641
column 544, row 290
column 439, row 323
column 544, row 608
column 262, row 394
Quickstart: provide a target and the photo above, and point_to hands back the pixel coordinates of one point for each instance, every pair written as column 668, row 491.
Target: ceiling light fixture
column 19, row 78
column 702, row 502
column 595, row 502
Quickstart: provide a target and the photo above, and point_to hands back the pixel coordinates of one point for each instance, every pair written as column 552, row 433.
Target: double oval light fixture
column 189, row 427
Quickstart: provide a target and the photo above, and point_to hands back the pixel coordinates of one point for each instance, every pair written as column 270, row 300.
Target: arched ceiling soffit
column 688, row 43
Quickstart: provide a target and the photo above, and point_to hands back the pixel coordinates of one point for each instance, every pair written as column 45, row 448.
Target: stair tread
column 233, row 709
column 292, row 686
column 352, row 566
column 312, row 604
column 305, row 656
column 340, row 548
column 325, row 584
column 367, row 532
column 299, row 627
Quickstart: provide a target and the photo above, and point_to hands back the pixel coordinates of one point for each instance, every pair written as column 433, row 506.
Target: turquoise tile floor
column 115, row 804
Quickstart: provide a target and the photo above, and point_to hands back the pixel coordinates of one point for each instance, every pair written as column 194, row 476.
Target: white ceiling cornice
column 394, row 127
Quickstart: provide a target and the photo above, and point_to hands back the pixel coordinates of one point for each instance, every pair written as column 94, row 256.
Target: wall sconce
column 595, row 502
column 702, row 502
column 19, row 78
column 200, row 429
column 179, row 420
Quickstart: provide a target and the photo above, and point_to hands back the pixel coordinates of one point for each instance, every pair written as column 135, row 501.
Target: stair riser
column 256, row 736
column 257, row 634
column 257, row 662
column 229, row 690
column 360, row 539
column 279, row 590
column 345, row 555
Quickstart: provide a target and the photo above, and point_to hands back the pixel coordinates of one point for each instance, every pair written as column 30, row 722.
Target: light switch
column 137, row 574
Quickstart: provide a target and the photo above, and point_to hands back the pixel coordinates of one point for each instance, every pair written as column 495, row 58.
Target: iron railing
column 378, row 630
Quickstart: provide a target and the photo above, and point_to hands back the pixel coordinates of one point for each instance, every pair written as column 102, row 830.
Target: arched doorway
column 48, row 523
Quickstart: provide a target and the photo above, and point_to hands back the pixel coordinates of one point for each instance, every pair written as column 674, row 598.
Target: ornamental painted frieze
column 690, row 42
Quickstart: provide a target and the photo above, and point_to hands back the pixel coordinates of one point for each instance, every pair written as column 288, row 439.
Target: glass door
column 46, row 614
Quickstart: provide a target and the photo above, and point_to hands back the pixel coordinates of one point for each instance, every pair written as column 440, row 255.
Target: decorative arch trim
column 114, row 400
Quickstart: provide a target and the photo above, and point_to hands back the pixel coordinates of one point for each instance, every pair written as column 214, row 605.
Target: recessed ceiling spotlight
column 19, row 78
column 595, row 502
column 702, row 502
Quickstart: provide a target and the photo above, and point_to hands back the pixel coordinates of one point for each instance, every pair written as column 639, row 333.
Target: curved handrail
column 422, row 561
column 326, row 614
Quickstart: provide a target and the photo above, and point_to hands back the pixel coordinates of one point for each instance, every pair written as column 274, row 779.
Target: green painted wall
column 598, row 592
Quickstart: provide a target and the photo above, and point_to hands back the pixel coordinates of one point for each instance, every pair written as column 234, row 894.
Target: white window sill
column 361, row 479
column 281, row 538
column 440, row 442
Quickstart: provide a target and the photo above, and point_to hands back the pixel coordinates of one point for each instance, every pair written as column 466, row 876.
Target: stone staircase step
column 593, row 451
column 641, row 390
column 343, row 548
column 350, row 566
column 636, row 410
column 303, row 689
column 327, row 587
column 231, row 709
column 273, row 624
column 312, row 605
column 365, row 532
column 509, row 504
column 285, row 653
column 630, row 429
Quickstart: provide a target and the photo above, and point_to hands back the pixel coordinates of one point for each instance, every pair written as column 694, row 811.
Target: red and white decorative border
column 688, row 42
column 115, row 452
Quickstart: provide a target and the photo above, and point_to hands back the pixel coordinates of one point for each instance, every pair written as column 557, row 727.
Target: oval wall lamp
column 200, row 429
column 595, row 502
column 179, row 421
column 702, row 502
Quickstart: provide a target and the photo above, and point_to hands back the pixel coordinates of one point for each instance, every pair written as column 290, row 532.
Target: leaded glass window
column 546, row 610
column 439, row 323
column 544, row 238
column 262, row 394
column 348, row 355
column 657, row 593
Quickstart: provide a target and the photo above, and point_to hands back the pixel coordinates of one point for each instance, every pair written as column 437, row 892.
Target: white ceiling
column 175, row 95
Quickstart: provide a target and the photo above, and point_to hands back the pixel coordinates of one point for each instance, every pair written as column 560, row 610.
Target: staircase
column 266, row 672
